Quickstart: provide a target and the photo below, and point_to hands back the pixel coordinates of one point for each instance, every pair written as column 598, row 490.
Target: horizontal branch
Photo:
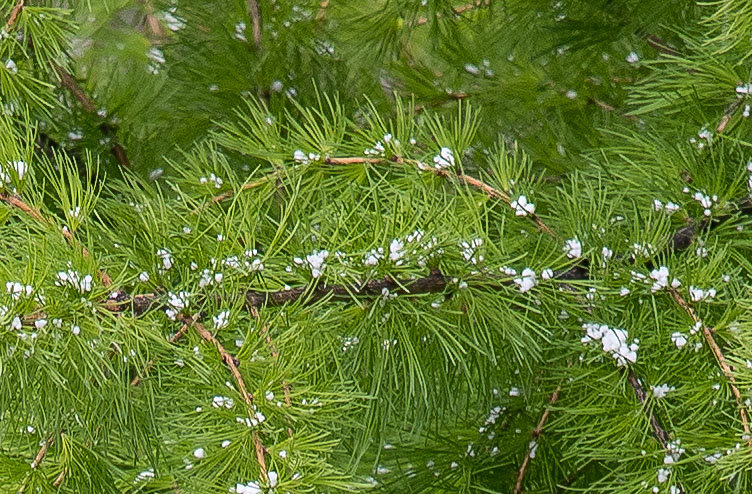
column 456, row 11
column 433, row 283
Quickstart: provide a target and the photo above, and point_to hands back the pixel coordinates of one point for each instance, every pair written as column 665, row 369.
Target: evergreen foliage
column 345, row 246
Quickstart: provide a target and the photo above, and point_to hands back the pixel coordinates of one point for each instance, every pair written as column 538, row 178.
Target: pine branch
column 42, row 453
column 137, row 380
column 456, row 10
column 153, row 21
column 37, row 460
column 536, row 434
column 69, row 82
column 18, row 203
column 727, row 114
column 433, row 283
column 658, row 431
column 59, row 479
column 322, row 10
column 251, row 185
column 14, row 15
column 358, row 160
column 720, row 358
column 660, row 45
column 264, row 332
column 232, row 363
column 255, row 12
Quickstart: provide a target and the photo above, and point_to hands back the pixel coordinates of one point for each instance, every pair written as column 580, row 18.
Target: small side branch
column 68, row 82
column 720, row 358
column 14, row 15
column 536, row 434
column 457, row 10
column 42, row 453
column 255, row 13
column 658, row 431
column 17, row 202
column 434, row 282
column 275, row 175
column 359, row 160
column 232, row 363
column 137, row 380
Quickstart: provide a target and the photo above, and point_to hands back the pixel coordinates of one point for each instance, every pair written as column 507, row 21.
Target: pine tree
column 344, row 246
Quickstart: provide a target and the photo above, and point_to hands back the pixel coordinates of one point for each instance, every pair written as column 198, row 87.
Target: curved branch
column 720, row 358
column 232, row 363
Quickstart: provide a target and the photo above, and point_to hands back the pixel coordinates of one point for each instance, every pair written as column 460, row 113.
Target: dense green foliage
column 389, row 246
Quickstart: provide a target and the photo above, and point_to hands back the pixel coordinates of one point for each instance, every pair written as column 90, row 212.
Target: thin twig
column 232, row 363
column 42, row 453
column 14, row 15
column 658, row 431
column 727, row 114
column 660, row 45
column 264, row 332
column 59, row 479
column 457, row 11
column 322, row 10
column 17, row 202
column 359, row 160
column 536, row 434
column 152, row 20
column 137, row 380
column 720, row 358
column 69, row 82
column 250, row 185
column 255, row 12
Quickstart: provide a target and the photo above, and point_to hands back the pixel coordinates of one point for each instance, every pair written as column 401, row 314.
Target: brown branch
column 255, row 12
column 359, row 160
column 264, row 332
column 250, row 185
column 232, row 363
column 322, row 10
column 536, row 434
column 727, row 114
column 59, row 479
column 456, row 10
column 68, row 82
column 658, row 431
column 720, row 358
column 37, row 461
column 18, row 203
column 153, row 21
column 434, row 282
column 42, row 453
column 659, row 44
column 14, row 15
